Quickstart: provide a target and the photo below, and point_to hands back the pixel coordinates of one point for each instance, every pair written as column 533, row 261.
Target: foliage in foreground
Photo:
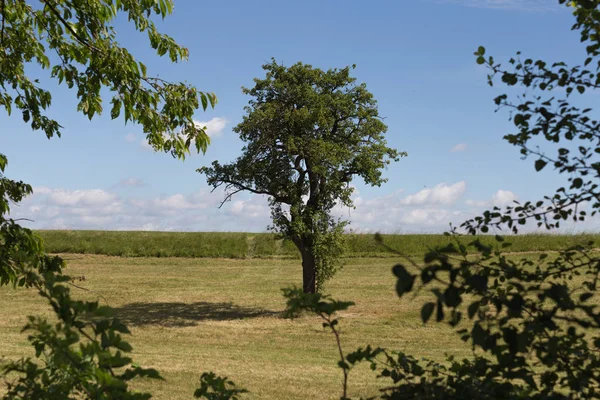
column 80, row 355
column 534, row 325
column 534, row 333
column 77, row 45
column 213, row 387
column 83, row 354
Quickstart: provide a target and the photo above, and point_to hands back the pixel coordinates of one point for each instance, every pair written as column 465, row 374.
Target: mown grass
column 193, row 315
column 190, row 315
column 265, row 245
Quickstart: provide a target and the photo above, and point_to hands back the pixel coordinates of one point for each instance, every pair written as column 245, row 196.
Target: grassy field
column 264, row 245
column 193, row 315
column 223, row 314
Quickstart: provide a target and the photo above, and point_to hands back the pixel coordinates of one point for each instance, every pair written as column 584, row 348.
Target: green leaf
column 204, row 100
column 116, row 109
column 144, row 69
column 540, row 164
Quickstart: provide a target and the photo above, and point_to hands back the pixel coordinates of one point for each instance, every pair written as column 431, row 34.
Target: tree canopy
column 308, row 134
column 83, row 353
column 77, row 44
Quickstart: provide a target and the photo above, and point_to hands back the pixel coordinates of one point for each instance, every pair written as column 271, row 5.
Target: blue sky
column 416, row 57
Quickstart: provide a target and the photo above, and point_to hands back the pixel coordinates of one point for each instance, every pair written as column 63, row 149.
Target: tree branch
column 2, row 29
column 79, row 38
column 241, row 187
column 298, row 164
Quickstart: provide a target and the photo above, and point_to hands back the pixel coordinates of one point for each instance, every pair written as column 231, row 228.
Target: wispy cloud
column 501, row 198
column 131, row 182
column 214, row 127
column 519, row 5
column 459, row 147
column 439, row 194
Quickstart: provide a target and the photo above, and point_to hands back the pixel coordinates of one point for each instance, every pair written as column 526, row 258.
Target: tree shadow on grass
column 185, row 314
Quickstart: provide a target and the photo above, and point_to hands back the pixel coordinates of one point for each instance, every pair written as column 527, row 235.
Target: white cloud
column 250, row 208
column 91, row 197
column 477, row 203
column 425, row 212
column 62, row 209
column 214, row 127
column 130, row 137
column 177, row 202
column 439, row 194
column 144, row 227
column 501, row 198
column 425, row 217
column 459, row 147
column 144, row 145
column 41, row 190
column 100, row 209
column 133, row 182
column 428, row 211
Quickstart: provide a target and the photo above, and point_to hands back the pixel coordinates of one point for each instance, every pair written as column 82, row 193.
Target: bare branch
column 239, row 187
column 23, row 219
column 228, row 196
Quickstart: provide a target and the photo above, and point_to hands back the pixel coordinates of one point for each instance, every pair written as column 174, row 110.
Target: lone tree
column 308, row 133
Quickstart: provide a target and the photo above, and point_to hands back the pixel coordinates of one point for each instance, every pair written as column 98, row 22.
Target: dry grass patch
column 193, row 315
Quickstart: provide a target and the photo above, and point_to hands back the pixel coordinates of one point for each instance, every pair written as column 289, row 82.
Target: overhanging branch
column 79, row 38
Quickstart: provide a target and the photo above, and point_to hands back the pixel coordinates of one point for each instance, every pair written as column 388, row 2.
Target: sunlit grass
column 190, row 315
column 193, row 315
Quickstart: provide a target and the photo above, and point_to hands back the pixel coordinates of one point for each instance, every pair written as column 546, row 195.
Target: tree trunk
column 309, row 273
column 309, row 270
